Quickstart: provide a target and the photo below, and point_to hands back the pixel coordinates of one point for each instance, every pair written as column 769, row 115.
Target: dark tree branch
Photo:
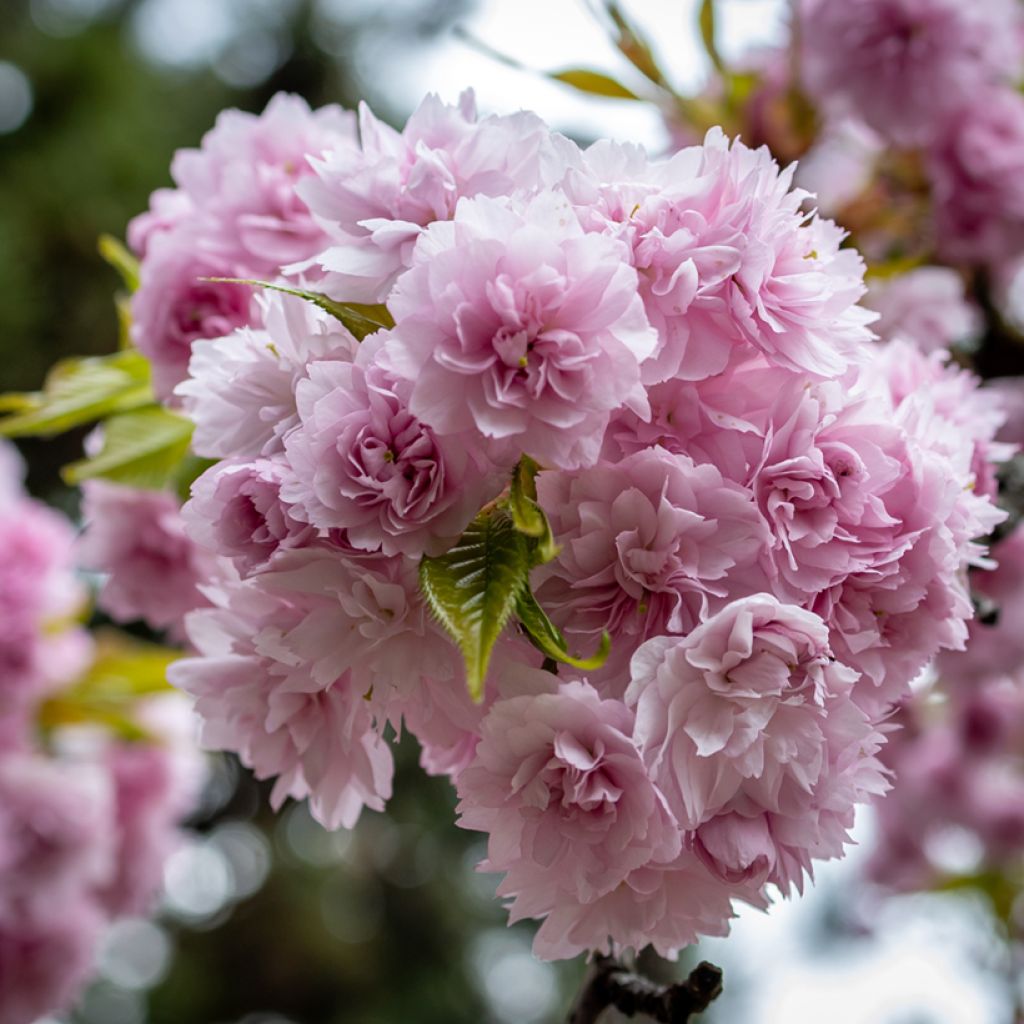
column 609, row 983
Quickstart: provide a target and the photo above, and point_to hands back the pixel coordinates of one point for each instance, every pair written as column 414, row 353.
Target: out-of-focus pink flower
column 904, row 65
column 649, row 546
column 977, row 171
column 155, row 786
column 926, row 306
column 725, row 257
column 375, row 197
column 560, row 790
column 136, row 538
column 748, row 727
column 240, row 392
column 362, row 462
column 38, row 591
column 45, row 959
column 55, row 837
column 515, row 325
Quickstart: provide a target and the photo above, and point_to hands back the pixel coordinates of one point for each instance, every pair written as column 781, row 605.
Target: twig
column 609, row 983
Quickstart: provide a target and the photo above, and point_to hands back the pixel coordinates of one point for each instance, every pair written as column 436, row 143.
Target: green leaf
column 140, row 449
column 527, row 515
column 121, row 259
column 79, row 391
column 594, row 82
column 473, row 588
column 359, row 319
column 547, row 636
column 707, row 33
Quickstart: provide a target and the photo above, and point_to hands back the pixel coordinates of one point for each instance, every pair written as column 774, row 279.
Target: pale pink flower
column 560, row 790
column 362, row 462
column 263, row 693
column 375, row 197
column 136, row 538
column 240, row 392
column 748, row 727
column 725, row 258
column 514, row 324
column 903, row 65
column 175, row 305
column 236, row 511
column 976, row 168
column 665, row 906
column 649, row 546
column 927, row 307
column 240, row 185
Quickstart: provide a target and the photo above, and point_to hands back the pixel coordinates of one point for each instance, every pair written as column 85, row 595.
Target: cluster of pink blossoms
column 86, row 819
column 772, row 526
column 938, row 77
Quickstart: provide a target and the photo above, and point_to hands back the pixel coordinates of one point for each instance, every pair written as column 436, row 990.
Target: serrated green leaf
column 527, row 515
column 140, row 449
column 707, row 34
column 121, row 259
column 361, row 320
column 79, row 391
column 473, row 588
column 594, row 82
column 548, row 637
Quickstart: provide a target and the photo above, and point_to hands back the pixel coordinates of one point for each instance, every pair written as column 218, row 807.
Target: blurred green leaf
column 707, row 34
column 118, row 256
column 79, row 391
column 473, row 588
column 140, row 449
column 594, row 82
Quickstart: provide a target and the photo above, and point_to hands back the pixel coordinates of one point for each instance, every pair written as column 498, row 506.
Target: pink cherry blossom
column 927, row 307
column 241, row 185
column 748, row 727
column 135, row 537
column 725, row 258
column 975, row 168
column 665, row 906
column 649, row 546
column 236, row 511
column 514, row 324
column 362, row 462
column 255, row 694
column 46, row 959
column 375, row 197
column 560, row 790
column 176, row 305
column 861, row 54
column 240, row 391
